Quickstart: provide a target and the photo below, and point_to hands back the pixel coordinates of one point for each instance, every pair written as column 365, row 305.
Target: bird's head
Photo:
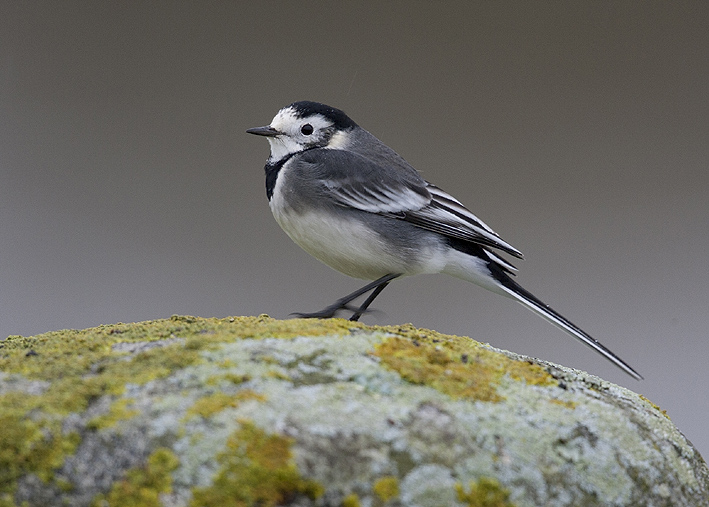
column 305, row 125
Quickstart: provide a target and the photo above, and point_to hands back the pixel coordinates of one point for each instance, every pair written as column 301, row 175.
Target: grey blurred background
column 577, row 130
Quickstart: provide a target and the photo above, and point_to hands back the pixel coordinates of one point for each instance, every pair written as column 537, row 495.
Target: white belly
column 343, row 244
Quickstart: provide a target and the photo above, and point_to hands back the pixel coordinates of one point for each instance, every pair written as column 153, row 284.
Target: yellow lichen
column 563, row 403
column 256, row 469
column 236, row 379
column 351, row 500
column 231, row 378
column 119, row 411
column 142, row 486
column 278, row 375
column 29, row 442
column 60, row 354
column 386, row 488
column 80, row 366
column 656, row 407
column 486, row 492
column 216, row 402
column 455, row 366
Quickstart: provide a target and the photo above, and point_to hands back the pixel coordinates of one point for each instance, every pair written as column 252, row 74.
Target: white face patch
column 284, row 120
column 282, row 146
column 294, row 138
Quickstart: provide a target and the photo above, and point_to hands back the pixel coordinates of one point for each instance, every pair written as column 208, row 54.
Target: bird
column 352, row 202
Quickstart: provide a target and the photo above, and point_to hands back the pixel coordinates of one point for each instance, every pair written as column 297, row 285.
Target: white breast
column 342, row 243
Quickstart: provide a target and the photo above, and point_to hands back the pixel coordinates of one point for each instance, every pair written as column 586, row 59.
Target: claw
column 326, row 313
column 343, row 303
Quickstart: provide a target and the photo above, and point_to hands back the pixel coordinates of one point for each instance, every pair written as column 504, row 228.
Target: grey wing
column 351, row 180
column 446, row 215
column 398, row 191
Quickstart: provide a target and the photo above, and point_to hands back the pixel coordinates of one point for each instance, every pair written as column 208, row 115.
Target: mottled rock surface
column 254, row 411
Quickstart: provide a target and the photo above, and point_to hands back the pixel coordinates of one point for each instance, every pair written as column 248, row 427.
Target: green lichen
column 386, row 488
column 458, row 367
column 143, row 486
column 486, row 492
column 119, row 411
column 257, row 469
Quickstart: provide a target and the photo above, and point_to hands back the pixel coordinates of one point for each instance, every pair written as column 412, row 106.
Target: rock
column 255, row 411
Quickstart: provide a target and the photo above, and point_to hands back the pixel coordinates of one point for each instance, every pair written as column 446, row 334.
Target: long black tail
column 530, row 301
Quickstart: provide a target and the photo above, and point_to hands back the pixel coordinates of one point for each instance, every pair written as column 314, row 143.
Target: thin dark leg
column 356, row 315
column 343, row 303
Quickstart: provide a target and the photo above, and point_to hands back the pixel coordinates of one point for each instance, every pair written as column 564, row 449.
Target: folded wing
column 400, row 192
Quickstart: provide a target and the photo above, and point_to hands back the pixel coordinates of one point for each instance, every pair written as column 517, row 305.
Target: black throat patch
column 272, row 170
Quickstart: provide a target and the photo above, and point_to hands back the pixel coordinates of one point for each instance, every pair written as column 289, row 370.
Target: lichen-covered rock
column 255, row 411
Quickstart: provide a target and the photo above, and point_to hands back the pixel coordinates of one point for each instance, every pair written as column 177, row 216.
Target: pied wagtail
column 352, row 202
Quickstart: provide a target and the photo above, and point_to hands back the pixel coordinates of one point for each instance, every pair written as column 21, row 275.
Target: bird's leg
column 343, row 303
column 363, row 308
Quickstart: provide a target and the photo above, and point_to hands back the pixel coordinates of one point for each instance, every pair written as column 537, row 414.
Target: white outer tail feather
column 562, row 323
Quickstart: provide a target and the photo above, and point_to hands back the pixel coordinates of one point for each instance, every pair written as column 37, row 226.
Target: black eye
column 307, row 129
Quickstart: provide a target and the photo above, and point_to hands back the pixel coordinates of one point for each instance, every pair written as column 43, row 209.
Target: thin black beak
column 267, row 131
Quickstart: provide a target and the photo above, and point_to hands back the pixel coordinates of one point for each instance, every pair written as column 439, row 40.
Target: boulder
column 255, row 411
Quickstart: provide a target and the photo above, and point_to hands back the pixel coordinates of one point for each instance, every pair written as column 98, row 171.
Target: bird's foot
column 326, row 313
column 343, row 303
column 331, row 311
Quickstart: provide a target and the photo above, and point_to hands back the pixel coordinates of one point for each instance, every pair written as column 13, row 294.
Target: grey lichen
column 190, row 411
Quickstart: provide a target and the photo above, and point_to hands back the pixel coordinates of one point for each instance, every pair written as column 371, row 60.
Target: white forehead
column 287, row 119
